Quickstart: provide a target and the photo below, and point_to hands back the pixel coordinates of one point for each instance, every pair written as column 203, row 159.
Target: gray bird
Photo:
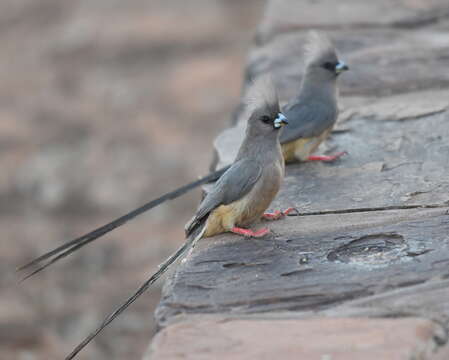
column 242, row 193
column 247, row 188
column 313, row 113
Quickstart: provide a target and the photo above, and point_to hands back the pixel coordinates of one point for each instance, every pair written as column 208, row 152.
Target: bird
column 240, row 196
column 312, row 115
column 246, row 189
column 314, row 111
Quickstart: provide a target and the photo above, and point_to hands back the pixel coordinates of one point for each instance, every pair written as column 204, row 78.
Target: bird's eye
column 329, row 66
column 266, row 119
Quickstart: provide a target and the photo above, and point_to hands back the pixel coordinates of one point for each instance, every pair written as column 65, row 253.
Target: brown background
column 104, row 104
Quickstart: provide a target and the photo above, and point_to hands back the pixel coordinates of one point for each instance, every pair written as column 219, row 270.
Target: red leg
column 273, row 216
column 290, row 210
column 326, row 157
column 250, row 233
column 279, row 214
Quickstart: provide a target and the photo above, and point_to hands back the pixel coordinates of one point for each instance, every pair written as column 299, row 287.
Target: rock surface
column 371, row 240
column 314, row 339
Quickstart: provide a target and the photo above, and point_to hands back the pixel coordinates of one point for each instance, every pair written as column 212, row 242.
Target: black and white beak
column 280, row 121
column 340, row 67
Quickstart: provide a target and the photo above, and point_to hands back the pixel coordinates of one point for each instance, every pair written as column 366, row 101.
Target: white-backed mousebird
column 312, row 115
column 241, row 195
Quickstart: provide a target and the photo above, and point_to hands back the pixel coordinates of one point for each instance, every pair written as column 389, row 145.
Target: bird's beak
column 280, row 121
column 340, row 67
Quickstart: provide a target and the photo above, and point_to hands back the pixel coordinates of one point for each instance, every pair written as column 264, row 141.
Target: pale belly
column 301, row 149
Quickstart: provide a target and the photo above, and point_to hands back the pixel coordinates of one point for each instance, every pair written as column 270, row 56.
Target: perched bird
column 313, row 113
column 241, row 194
column 246, row 189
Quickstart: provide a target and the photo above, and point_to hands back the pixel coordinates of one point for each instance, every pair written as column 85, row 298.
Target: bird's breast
column 250, row 207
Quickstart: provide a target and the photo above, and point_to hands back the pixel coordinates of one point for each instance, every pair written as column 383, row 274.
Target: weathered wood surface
column 205, row 339
column 312, row 263
column 373, row 235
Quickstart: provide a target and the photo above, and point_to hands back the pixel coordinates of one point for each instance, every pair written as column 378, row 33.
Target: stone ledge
column 362, row 273
column 312, row 263
column 317, row 338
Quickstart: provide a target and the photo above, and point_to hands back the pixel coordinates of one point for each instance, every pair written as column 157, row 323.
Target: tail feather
column 74, row 245
column 188, row 244
column 196, row 225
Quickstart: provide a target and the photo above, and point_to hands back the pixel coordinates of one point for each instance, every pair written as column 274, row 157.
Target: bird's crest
column 318, row 47
column 262, row 92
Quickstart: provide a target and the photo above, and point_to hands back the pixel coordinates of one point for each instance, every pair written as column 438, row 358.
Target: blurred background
column 104, row 105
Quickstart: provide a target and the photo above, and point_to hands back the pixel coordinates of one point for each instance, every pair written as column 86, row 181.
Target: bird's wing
column 307, row 121
column 235, row 183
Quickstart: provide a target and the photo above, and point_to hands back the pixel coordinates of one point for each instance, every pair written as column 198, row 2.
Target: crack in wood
column 370, row 209
column 390, row 245
column 297, row 271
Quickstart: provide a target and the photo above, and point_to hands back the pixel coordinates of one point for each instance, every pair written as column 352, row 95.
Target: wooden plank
column 311, row 263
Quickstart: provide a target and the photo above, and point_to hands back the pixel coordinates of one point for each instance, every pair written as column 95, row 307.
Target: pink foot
column 250, row 233
column 326, row 157
column 279, row 214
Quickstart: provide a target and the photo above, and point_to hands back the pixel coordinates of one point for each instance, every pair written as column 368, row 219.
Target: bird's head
column 321, row 59
column 265, row 116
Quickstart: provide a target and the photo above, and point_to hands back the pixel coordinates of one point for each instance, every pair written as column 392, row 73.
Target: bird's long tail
column 73, row 245
column 188, row 244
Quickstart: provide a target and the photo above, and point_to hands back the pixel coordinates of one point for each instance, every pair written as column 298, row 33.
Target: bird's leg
column 326, row 158
column 279, row 214
column 250, row 233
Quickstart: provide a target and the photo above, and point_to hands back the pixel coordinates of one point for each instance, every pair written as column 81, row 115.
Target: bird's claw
column 327, row 158
column 280, row 214
column 250, row 233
